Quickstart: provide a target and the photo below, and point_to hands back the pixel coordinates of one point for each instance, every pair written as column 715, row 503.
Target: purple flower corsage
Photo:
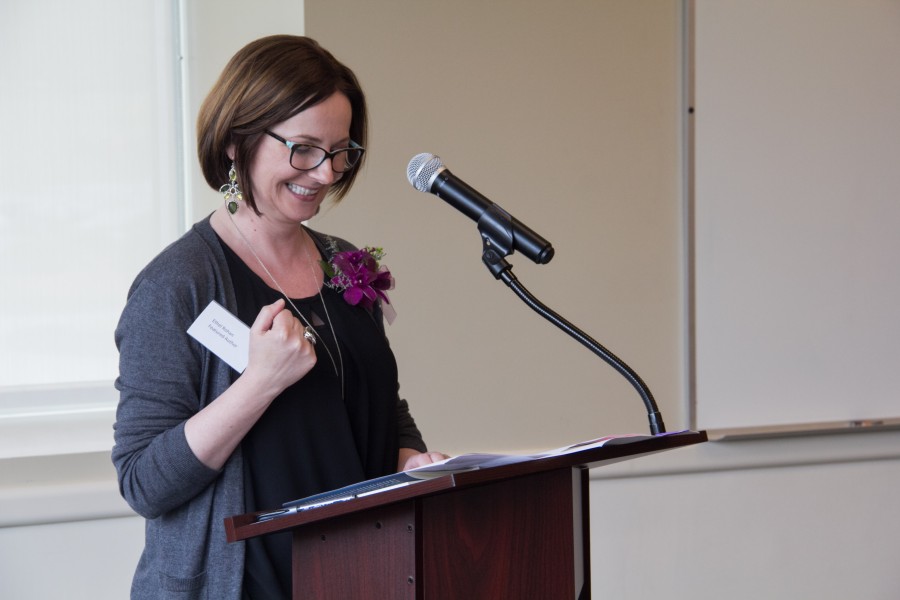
column 359, row 276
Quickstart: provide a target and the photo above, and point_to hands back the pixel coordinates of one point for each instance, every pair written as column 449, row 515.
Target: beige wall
column 565, row 114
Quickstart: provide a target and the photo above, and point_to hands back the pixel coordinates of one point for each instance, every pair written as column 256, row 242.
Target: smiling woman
column 316, row 406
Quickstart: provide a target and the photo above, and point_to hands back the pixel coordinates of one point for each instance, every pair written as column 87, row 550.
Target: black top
column 310, row 439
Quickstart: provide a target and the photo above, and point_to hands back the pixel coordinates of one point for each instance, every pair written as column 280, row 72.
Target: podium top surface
column 617, row 449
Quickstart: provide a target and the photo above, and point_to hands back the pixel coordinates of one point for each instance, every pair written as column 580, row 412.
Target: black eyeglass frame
column 327, row 154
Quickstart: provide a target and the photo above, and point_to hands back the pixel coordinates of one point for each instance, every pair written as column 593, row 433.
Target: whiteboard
column 795, row 211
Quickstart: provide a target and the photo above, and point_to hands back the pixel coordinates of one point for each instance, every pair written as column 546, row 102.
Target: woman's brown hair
column 269, row 81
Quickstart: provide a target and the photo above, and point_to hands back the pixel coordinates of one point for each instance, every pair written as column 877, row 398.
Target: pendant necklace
column 309, row 326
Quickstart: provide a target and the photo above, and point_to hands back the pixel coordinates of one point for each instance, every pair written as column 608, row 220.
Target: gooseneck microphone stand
column 497, row 245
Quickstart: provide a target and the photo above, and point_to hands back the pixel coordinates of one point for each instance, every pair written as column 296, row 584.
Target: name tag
column 223, row 334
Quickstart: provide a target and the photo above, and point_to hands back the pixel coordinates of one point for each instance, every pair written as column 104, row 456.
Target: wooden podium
column 514, row 531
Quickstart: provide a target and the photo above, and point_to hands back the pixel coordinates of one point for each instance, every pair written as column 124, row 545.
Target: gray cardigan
column 165, row 377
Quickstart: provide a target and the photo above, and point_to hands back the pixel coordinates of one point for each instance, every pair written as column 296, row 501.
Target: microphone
column 427, row 173
column 504, row 234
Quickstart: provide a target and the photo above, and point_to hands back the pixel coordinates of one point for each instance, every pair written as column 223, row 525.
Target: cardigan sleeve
column 159, row 390
column 408, row 432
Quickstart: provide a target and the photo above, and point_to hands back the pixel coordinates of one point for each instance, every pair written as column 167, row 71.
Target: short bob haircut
column 269, row 81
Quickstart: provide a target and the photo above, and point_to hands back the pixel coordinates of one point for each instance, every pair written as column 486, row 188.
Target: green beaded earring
column 232, row 191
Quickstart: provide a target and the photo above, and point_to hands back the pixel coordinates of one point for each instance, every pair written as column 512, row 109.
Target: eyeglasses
column 305, row 157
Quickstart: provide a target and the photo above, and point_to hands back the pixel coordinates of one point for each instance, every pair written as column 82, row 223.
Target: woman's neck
column 283, row 255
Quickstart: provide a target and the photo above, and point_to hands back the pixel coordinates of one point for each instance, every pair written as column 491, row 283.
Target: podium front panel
column 520, row 538
column 371, row 554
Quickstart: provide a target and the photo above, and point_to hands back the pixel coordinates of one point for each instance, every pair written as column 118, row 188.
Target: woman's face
column 282, row 192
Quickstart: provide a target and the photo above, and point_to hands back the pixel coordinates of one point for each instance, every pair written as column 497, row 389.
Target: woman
column 317, row 405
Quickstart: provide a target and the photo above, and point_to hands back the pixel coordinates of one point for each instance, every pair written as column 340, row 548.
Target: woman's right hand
column 279, row 357
column 279, row 353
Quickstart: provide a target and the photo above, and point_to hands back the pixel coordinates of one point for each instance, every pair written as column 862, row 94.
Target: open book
column 456, row 464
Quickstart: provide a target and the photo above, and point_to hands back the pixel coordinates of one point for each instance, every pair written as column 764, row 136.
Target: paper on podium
column 449, row 466
column 468, row 462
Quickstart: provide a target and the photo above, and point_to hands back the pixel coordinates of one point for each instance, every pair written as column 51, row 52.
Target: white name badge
column 223, row 334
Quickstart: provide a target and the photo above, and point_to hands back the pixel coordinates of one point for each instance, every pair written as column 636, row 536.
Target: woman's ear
column 229, row 150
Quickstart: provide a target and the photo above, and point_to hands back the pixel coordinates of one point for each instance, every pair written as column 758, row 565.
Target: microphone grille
column 422, row 169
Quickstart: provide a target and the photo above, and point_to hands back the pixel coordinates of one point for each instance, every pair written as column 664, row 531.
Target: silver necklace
column 339, row 373
column 337, row 346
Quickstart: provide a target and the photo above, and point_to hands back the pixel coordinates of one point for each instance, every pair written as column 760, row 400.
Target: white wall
column 797, row 138
column 71, row 560
column 781, row 518
column 801, row 517
column 64, row 530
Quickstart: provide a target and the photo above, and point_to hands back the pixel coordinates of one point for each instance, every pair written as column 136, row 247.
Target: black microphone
column 427, row 173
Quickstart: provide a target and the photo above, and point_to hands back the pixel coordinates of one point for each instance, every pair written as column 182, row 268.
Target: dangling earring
column 232, row 191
